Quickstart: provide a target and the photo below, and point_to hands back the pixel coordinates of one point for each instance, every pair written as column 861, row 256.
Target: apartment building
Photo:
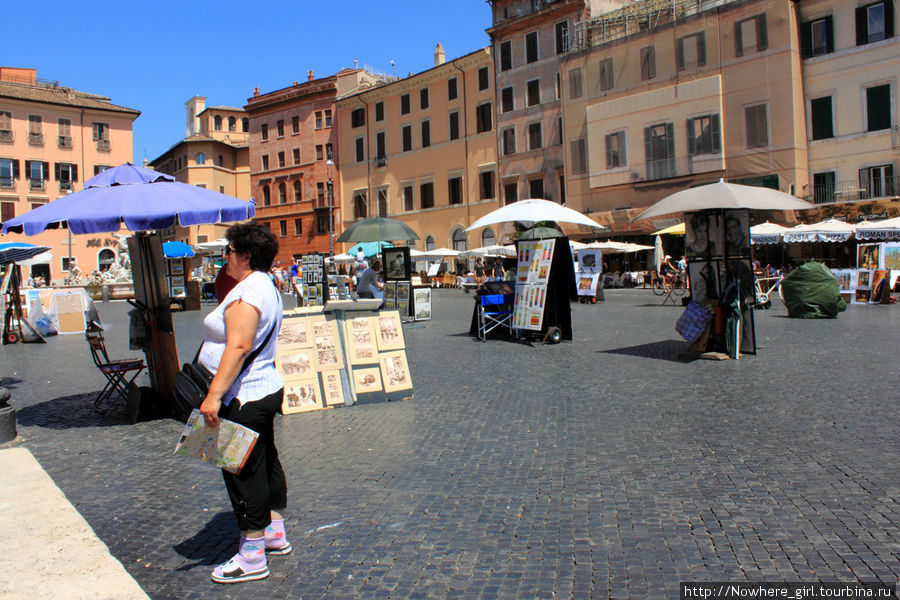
column 851, row 64
column 52, row 138
column 423, row 150
column 293, row 159
column 214, row 154
column 665, row 95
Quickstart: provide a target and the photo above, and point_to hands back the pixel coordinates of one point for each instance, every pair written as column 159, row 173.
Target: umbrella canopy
column 673, row 230
column 888, row 229
column 829, row 230
column 177, row 250
column 140, row 198
column 766, row 233
column 540, row 233
column 724, row 195
column 17, row 252
column 505, row 251
column 658, row 252
column 440, row 253
column 212, row 247
column 342, row 259
column 378, row 229
column 534, row 211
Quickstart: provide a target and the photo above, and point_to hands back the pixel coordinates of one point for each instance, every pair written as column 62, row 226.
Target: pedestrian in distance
column 245, row 321
column 369, row 281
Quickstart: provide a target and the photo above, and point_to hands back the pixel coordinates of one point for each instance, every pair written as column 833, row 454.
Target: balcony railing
column 680, row 166
column 36, row 185
column 850, row 190
column 380, row 161
column 7, row 136
column 64, row 141
column 65, row 185
column 7, row 182
column 103, row 146
column 36, row 139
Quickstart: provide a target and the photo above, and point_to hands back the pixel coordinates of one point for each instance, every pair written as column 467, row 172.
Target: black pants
column 260, row 486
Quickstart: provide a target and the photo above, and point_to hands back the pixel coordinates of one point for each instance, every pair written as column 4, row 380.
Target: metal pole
column 329, row 163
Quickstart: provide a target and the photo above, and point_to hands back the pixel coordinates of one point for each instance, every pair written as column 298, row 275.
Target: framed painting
column 294, row 332
column 301, row 395
column 177, row 290
column 296, row 363
column 360, row 335
column 327, row 343
column 332, row 391
column 367, row 380
column 422, row 303
column 397, row 264
column 403, row 288
column 704, row 278
column 868, row 256
column 176, row 267
column 389, row 332
column 864, row 279
column 395, row 371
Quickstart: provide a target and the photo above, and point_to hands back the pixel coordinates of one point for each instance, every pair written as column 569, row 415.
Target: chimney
column 310, row 75
column 256, row 91
column 439, row 55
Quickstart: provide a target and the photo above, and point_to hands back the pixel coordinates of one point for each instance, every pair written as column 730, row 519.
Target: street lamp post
column 330, row 163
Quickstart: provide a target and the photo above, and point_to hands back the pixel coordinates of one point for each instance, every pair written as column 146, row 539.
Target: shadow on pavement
column 207, row 546
column 10, row 382
column 73, row 411
column 671, row 350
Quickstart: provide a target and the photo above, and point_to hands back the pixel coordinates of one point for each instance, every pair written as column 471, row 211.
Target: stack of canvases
column 341, row 358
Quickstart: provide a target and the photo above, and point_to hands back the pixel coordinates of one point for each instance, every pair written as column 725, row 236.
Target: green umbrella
column 539, row 233
column 377, row 229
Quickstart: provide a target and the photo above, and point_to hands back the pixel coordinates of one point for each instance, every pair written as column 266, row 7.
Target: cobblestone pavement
column 602, row 468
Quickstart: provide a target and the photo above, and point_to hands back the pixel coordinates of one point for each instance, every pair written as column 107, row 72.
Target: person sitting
column 369, row 279
column 667, row 271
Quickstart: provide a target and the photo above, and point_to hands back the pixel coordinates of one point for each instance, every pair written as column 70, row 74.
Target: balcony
column 7, row 182
column 7, row 137
column 65, row 185
column 64, row 141
column 103, row 146
column 36, row 139
column 851, row 190
column 381, row 161
column 36, row 185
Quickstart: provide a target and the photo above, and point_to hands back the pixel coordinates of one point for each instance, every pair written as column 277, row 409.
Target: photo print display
column 332, row 391
column 403, row 288
column 422, row 303
column 395, row 371
column 589, row 260
column 301, row 395
column 176, row 267
column 361, row 344
column 703, row 234
column 389, row 332
column 397, row 264
column 737, row 233
column 741, row 270
column 389, row 295
column 864, row 279
column 867, row 256
column 704, row 278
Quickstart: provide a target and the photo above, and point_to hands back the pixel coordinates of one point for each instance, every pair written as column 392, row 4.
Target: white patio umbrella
column 889, row 229
column 829, row 230
column 534, row 211
column 658, row 253
column 724, row 195
column 342, row 259
column 212, row 247
column 766, row 233
column 576, row 246
column 495, row 250
column 440, row 253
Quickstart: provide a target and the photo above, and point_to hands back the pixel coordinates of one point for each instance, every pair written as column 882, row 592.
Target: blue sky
column 155, row 56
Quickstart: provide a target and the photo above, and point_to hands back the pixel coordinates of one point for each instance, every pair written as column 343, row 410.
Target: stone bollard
column 105, row 292
column 7, row 418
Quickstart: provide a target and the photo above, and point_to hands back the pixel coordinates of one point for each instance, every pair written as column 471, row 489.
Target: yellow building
column 52, row 139
column 423, row 150
column 215, row 154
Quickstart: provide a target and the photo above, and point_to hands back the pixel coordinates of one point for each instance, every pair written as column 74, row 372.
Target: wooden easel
column 13, row 315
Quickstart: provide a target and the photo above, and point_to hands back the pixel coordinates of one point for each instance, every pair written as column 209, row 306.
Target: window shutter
column 862, row 33
column 864, row 179
column 46, row 171
column 56, row 170
column 806, row 40
column 829, row 34
column 15, row 168
column 888, row 18
column 609, row 161
column 679, row 54
column 27, row 169
column 74, row 172
column 651, row 57
column 670, row 142
column 762, row 34
column 648, row 147
column 701, row 49
column 716, row 134
column 738, row 39
column 689, row 127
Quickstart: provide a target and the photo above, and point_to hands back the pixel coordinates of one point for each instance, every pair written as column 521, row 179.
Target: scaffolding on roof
column 634, row 18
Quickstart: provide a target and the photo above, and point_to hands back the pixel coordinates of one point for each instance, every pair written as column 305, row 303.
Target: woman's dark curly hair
column 255, row 240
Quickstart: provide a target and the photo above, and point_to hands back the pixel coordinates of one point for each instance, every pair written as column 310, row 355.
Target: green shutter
column 689, row 127
column 716, row 134
column 762, row 35
column 701, row 49
column 609, row 152
column 738, row 39
column 679, row 54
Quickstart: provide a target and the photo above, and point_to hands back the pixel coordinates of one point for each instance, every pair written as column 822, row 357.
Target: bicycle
column 678, row 285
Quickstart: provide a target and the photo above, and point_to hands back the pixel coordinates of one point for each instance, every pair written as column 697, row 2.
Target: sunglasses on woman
column 228, row 249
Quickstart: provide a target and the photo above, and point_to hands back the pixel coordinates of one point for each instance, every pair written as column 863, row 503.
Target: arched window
column 267, row 198
column 460, row 243
column 217, row 122
column 245, row 124
column 106, row 258
column 232, row 123
column 359, row 206
column 298, row 191
column 429, row 243
column 200, row 158
column 282, row 193
column 487, row 238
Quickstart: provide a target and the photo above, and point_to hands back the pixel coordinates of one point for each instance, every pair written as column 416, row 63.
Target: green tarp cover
column 812, row 292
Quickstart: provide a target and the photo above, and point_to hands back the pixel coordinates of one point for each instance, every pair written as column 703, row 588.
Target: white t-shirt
column 261, row 378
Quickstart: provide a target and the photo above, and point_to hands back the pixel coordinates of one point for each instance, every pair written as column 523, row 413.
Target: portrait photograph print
column 737, row 233
column 397, row 264
column 703, row 236
column 704, row 278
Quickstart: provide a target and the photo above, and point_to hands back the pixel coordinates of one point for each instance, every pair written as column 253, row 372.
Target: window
column 105, row 259
column 575, row 88
column 704, row 135
column 64, row 133
column 423, row 98
column 460, row 243
column 66, row 175
column 648, row 62
column 358, row 117
column 382, row 202
column 878, row 181
column 264, row 132
column 360, row 144
column 328, row 117
column 320, row 193
column 282, row 193
column 359, row 205
column 265, row 162
column 232, row 124
column 298, row 191
column 282, row 228
column 487, row 238
column 319, row 153
column 296, row 153
column 217, row 123
column 757, row 124
column 510, row 192
column 426, row 193
column 823, row 187
column 281, row 162
column 557, row 87
column 483, row 114
column 509, row 141
column 506, row 55
column 820, row 116
column 100, row 168
column 483, row 78
column 35, row 130
column 454, row 190
column 606, row 74
column 578, row 151
column 245, row 124
column 426, row 134
column 878, row 107
column 267, row 196
column 322, row 224
column 8, row 211
column 379, row 111
column 454, row 125
column 562, row 37
column 221, row 162
column 404, row 104
column 817, row 37
column 507, row 103
column 533, row 92
column 298, row 226
column 562, row 189
column 531, row 47
column 690, row 51
column 750, row 35
column 380, row 149
column 659, row 141
column 406, row 133
column 9, row 172
column 37, row 172
column 200, row 158
column 408, row 200
column 874, row 22
column 452, row 91
column 318, row 119
column 329, row 152
column 534, row 136
column 6, row 134
column 487, row 191
column 429, row 243
column 615, row 150
column 536, row 188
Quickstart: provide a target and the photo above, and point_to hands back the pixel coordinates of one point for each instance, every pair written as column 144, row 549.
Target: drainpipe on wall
column 368, row 158
column 465, row 133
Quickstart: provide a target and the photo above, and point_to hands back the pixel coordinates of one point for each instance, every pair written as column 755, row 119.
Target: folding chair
column 494, row 310
column 120, row 374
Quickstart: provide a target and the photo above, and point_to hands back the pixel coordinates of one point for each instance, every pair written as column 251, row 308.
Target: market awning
column 829, row 230
column 766, row 233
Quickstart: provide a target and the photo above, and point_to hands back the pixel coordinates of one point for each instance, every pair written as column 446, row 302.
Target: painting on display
column 299, row 362
column 176, row 267
column 327, row 342
column 741, row 270
column 533, row 271
column 403, row 288
column 395, row 371
column 294, row 332
column 590, row 260
column 332, row 391
column 587, row 284
column 864, row 279
column 844, row 278
column 360, row 335
column 389, row 332
column 390, row 295
column 367, row 380
column 422, row 303
column 704, row 278
column 704, row 236
column 879, row 279
column 301, row 395
column 892, row 256
column 397, row 264
column 867, row 256
column 862, row 296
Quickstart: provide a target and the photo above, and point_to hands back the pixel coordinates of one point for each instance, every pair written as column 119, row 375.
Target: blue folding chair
column 494, row 310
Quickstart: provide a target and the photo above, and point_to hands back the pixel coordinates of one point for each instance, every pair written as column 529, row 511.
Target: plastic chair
column 494, row 310
column 120, row 374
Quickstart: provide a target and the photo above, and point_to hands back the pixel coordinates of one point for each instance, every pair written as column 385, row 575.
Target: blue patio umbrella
column 139, row 198
column 177, row 250
column 14, row 252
